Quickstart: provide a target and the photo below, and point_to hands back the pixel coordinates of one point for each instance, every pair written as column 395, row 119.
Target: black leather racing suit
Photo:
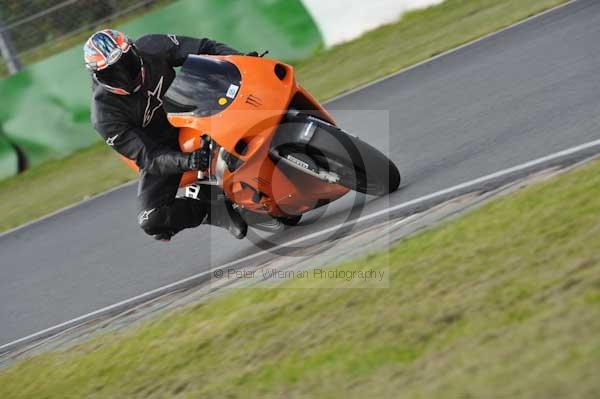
column 136, row 126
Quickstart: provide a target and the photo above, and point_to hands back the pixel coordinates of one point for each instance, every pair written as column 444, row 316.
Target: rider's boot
column 223, row 215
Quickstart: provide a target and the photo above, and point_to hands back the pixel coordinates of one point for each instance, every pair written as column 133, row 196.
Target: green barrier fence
column 44, row 110
column 8, row 157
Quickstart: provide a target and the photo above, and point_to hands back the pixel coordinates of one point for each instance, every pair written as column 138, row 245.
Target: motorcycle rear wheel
column 270, row 223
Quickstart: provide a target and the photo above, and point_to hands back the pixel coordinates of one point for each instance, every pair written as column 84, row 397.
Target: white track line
column 182, row 283
column 154, row 293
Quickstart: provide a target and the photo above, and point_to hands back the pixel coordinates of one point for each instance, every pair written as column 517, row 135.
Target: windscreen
column 204, row 86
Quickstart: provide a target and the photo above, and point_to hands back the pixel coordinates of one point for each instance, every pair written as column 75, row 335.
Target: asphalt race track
column 525, row 93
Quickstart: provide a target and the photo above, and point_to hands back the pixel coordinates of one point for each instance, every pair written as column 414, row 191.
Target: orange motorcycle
column 276, row 152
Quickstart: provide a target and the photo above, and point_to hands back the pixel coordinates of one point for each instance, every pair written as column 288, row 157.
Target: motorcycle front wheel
column 354, row 163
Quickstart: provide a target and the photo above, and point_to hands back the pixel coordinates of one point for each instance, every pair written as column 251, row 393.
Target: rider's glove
column 198, row 160
column 252, row 54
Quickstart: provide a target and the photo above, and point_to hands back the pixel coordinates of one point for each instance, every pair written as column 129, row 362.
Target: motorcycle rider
column 129, row 81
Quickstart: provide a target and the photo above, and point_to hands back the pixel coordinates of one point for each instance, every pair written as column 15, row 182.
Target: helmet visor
column 124, row 74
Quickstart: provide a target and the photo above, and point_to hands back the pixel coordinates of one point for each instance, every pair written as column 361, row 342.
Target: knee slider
column 152, row 221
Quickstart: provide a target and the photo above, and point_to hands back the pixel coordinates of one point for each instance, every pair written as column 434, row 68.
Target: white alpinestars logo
column 174, row 39
column 144, row 215
column 154, row 103
column 111, row 140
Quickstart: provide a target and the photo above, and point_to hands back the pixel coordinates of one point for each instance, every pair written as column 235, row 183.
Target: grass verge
column 503, row 302
column 418, row 36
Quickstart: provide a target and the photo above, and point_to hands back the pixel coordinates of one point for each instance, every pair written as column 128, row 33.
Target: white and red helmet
column 114, row 62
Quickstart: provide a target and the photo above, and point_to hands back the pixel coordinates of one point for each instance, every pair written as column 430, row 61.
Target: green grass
column 418, row 36
column 501, row 303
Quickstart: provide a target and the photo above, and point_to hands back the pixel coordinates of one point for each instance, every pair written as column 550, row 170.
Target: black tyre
column 317, row 146
column 360, row 166
column 270, row 223
column 290, row 220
